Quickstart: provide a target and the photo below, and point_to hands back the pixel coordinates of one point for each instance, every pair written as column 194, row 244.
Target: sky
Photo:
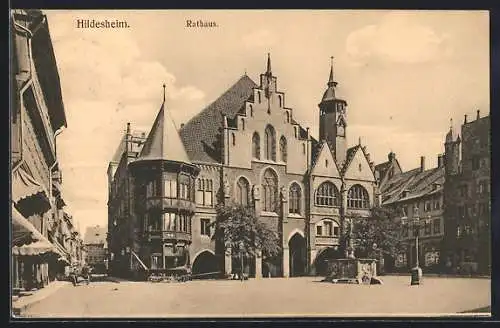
column 404, row 75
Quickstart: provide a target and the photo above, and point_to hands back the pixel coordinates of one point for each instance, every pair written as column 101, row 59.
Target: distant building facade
column 416, row 193
column 96, row 249
column 467, row 195
column 247, row 148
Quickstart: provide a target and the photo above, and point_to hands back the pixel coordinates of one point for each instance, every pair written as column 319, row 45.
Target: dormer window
column 404, row 194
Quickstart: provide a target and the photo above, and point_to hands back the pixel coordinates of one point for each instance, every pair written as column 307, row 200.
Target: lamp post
column 414, row 222
column 241, row 245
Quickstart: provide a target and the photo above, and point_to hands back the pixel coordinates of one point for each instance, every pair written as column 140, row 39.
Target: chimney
column 422, row 163
column 182, row 125
column 465, row 119
column 478, row 116
column 128, row 128
column 391, row 156
column 440, row 160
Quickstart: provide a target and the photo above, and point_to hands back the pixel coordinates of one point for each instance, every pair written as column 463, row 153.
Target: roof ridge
column 224, row 94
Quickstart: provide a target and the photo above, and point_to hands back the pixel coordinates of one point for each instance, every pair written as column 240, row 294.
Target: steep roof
column 95, row 235
column 415, row 182
column 163, row 141
column 200, row 134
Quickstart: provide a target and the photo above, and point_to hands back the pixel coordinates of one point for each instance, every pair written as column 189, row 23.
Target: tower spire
column 331, row 82
column 268, row 71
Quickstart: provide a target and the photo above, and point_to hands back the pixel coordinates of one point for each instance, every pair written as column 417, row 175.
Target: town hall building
column 247, row 148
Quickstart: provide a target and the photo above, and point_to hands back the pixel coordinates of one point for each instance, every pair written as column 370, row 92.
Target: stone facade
column 418, row 195
column 246, row 147
column 468, row 198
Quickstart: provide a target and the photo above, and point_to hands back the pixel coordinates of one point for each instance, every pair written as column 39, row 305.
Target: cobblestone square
column 305, row 296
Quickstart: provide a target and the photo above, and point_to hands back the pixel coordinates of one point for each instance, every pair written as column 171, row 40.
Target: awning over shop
column 64, row 256
column 36, row 243
column 36, row 248
column 29, row 195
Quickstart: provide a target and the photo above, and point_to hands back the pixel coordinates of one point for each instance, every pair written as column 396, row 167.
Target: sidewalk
column 22, row 303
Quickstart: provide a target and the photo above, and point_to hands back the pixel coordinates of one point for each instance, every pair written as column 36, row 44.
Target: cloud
column 398, row 38
column 261, row 38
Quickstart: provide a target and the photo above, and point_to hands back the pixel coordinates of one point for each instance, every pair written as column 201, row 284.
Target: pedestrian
column 86, row 273
column 73, row 276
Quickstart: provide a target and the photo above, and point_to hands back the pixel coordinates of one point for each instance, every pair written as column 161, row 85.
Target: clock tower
column 333, row 120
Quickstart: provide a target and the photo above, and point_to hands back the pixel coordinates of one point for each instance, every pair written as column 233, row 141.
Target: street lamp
column 416, row 272
column 241, row 245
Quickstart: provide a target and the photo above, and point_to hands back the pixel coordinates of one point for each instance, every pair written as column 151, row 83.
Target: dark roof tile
column 201, row 134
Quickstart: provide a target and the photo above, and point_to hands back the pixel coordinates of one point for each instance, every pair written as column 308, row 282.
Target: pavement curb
column 18, row 310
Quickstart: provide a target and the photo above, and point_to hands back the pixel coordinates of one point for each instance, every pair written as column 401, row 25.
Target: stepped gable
column 200, row 135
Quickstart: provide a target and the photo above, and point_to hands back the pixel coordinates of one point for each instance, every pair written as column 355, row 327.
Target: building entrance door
column 298, row 256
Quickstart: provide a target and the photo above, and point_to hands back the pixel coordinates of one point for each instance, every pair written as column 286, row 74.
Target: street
column 305, row 296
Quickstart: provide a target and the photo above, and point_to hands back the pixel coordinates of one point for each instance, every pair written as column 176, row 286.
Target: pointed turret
column 268, row 70
column 329, row 94
column 331, row 81
column 333, row 119
column 163, row 141
column 452, row 152
column 449, row 135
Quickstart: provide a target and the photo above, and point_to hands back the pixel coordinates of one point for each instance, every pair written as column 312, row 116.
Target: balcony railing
column 168, row 235
column 170, row 203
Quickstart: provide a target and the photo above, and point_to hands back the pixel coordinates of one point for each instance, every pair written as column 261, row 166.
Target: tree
column 240, row 229
column 379, row 234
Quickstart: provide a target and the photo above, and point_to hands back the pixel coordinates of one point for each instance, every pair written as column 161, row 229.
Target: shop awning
column 28, row 194
column 63, row 254
column 36, row 248
column 36, row 242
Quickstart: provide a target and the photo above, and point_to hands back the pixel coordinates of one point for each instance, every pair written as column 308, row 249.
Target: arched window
column 327, row 195
column 270, row 143
column 258, row 96
column 234, row 139
column 283, row 153
column 256, row 145
column 270, row 191
column 242, row 191
column 280, row 101
column 251, row 110
column 295, row 198
column 243, row 124
column 288, row 117
column 357, row 197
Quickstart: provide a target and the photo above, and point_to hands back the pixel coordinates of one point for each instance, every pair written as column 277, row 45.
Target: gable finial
column 164, row 91
column 268, row 71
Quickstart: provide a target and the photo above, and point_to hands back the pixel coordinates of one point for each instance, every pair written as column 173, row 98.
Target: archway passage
column 298, row 255
column 321, row 261
column 205, row 262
